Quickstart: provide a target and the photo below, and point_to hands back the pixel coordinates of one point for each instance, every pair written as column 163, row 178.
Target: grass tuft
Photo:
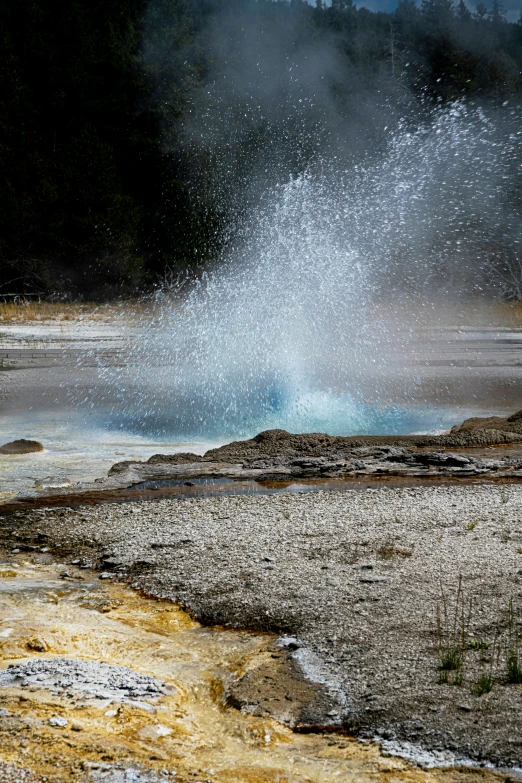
column 483, row 685
column 389, row 549
column 452, row 631
column 479, row 644
column 513, row 658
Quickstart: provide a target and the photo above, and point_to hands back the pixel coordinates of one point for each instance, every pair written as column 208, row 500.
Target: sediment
column 369, row 591
column 351, row 582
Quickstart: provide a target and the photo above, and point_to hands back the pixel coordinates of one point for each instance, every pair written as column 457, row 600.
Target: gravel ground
column 352, row 581
column 86, row 679
column 12, row 774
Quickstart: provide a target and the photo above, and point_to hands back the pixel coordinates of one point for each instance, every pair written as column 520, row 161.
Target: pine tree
column 463, row 12
column 437, row 10
column 342, row 5
column 481, row 13
column 497, row 13
column 407, row 7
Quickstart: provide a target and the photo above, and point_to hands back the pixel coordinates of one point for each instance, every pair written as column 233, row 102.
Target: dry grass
column 510, row 313
column 507, row 314
column 26, row 310
column 389, row 549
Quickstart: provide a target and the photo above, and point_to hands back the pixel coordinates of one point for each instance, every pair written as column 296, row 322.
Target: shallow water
column 77, row 448
column 74, row 408
column 189, row 731
column 82, row 448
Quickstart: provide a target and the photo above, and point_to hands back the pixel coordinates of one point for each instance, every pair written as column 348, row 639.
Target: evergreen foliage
column 119, row 158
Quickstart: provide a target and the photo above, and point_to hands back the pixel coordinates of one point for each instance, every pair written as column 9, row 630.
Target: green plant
column 513, row 661
column 483, row 685
column 471, row 525
column 479, row 644
column 453, row 630
column 444, row 677
column 458, row 678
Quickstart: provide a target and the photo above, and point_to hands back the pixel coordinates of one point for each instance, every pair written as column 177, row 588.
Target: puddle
column 106, row 684
column 222, row 487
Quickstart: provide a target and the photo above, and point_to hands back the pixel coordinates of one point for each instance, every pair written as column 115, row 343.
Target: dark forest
column 132, row 132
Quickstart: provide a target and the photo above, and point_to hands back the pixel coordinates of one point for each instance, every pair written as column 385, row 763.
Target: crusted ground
column 98, row 683
column 353, row 581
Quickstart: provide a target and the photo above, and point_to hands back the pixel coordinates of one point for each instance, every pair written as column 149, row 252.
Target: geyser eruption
column 306, row 322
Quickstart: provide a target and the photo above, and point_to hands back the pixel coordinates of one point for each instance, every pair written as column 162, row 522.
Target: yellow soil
column 190, row 730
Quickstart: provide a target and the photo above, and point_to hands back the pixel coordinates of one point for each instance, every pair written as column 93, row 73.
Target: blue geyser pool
column 308, row 320
column 336, row 416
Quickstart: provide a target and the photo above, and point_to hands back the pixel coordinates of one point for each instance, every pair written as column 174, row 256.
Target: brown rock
column 276, row 687
column 37, row 644
column 21, row 446
column 512, row 423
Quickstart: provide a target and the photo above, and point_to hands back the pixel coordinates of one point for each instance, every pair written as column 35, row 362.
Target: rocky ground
column 353, row 582
column 101, row 684
column 477, row 448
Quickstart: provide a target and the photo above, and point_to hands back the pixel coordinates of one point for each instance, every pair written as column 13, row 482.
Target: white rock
column 57, row 720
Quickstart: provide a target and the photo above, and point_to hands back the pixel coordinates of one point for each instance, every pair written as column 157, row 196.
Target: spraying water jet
column 311, row 319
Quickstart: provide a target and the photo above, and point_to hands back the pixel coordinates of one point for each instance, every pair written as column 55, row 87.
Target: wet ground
column 198, row 725
column 351, row 582
column 52, row 390
column 219, row 487
column 155, row 707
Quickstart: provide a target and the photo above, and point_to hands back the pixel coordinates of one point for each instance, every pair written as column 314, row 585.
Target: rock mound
column 91, row 679
column 279, row 443
column 21, row 446
column 273, row 448
column 511, row 423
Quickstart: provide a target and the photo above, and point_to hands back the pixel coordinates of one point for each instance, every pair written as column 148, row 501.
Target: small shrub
column 471, row 525
column 451, row 659
column 483, row 685
column 479, row 644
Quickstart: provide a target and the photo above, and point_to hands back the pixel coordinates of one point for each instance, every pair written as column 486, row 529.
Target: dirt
column 98, row 683
column 351, row 582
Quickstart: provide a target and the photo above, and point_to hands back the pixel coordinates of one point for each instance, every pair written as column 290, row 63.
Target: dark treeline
column 133, row 133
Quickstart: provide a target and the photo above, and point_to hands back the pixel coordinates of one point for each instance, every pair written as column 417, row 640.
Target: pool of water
column 82, row 447
column 75, row 409
column 77, row 449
